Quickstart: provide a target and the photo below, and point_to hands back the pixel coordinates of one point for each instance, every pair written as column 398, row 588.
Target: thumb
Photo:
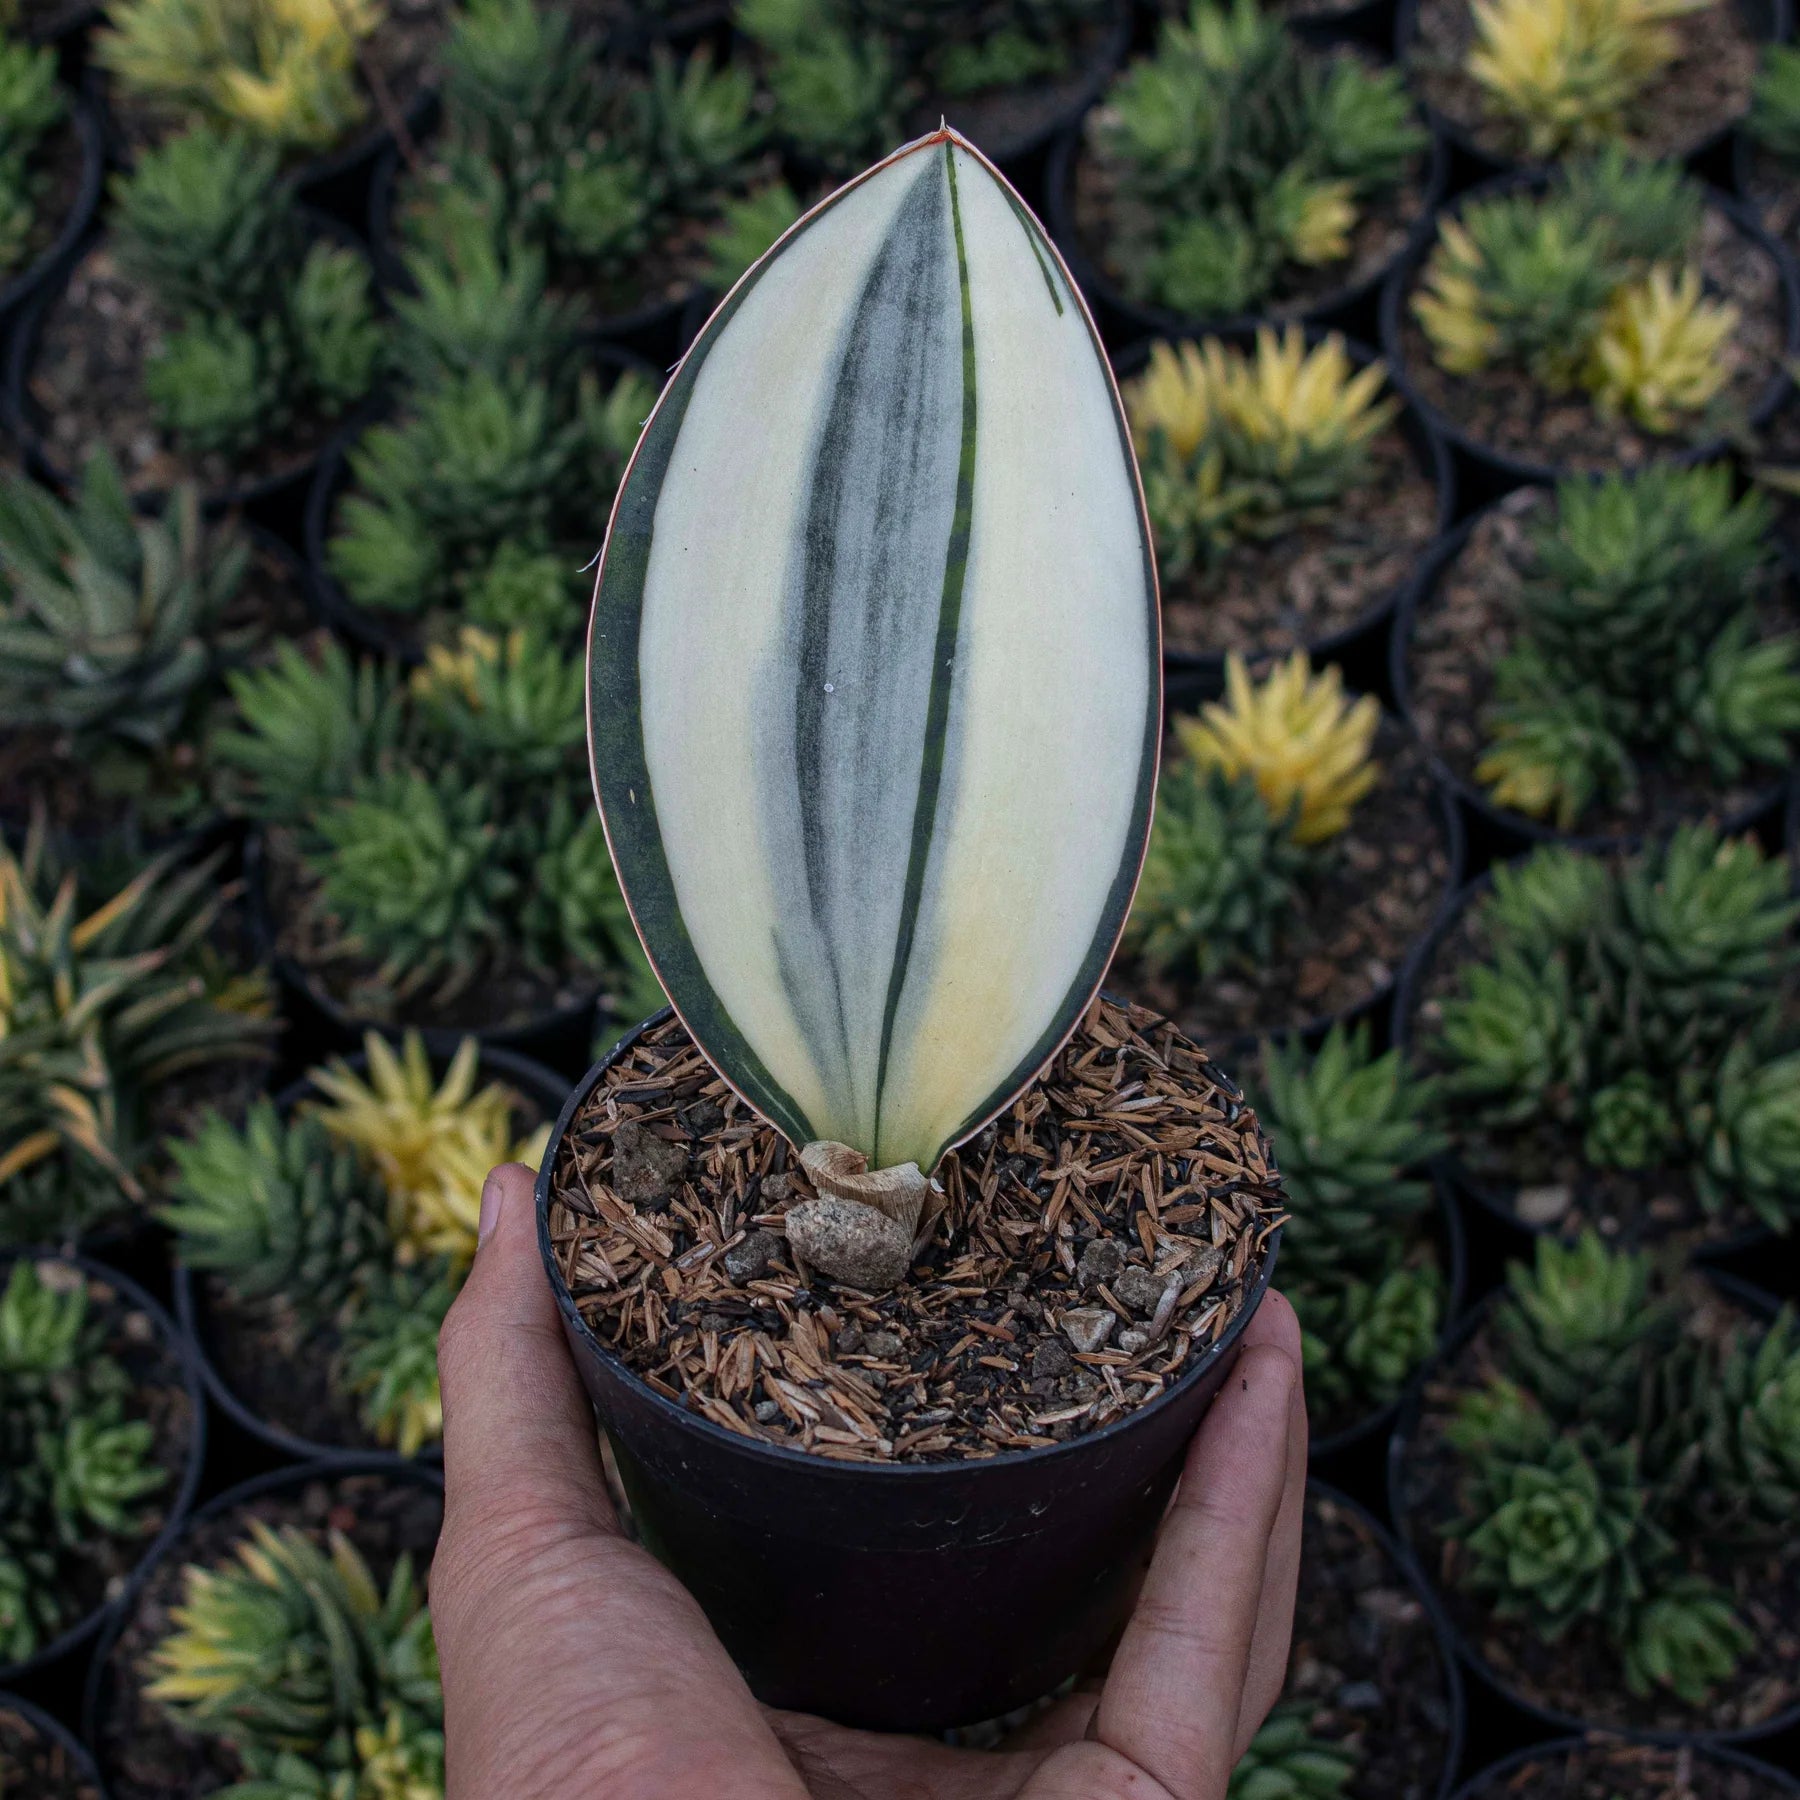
column 518, row 1432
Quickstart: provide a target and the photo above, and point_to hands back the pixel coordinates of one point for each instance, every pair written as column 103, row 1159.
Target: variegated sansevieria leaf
column 874, row 670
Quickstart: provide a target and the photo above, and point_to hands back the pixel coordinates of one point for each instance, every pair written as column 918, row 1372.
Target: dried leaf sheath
column 873, row 685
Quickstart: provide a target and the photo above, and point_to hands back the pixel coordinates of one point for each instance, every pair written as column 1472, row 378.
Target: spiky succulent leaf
column 806, row 658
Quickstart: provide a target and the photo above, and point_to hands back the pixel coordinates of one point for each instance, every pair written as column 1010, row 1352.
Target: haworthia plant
column 874, row 687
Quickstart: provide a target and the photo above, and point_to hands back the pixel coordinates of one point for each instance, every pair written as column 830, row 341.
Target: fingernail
column 493, row 1198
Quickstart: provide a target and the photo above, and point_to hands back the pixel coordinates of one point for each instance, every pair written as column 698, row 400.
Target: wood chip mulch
column 1103, row 1232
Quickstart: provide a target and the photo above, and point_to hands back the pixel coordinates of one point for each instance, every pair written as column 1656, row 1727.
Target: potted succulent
column 1301, row 848
column 410, row 870
column 213, row 332
column 472, row 502
column 1601, row 1480
column 1289, row 493
column 554, row 142
column 1608, row 658
column 1606, row 314
column 846, row 78
column 1533, row 80
column 103, row 1433
column 116, row 632
column 121, row 1007
column 1617, row 1040
column 1373, row 1706
column 1372, row 1255
column 1236, row 171
column 51, row 163
column 41, row 1759
column 320, row 1242
column 1591, row 1768
column 323, row 82
column 891, row 675
column 281, row 1642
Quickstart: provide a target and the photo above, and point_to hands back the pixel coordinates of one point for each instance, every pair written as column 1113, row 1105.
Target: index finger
column 1172, row 1701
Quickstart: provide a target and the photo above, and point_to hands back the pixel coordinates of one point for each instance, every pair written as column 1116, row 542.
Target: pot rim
column 323, row 1468
column 1144, row 319
column 1419, row 591
column 194, row 1309
column 1488, row 1779
column 1518, row 470
column 1461, row 139
column 825, row 1467
column 1424, row 443
column 89, row 135
column 47, row 1725
column 1755, row 1301
column 1455, row 1690
column 187, row 1476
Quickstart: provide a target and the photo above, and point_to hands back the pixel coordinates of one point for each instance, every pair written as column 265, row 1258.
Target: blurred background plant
column 32, row 107
column 1236, row 161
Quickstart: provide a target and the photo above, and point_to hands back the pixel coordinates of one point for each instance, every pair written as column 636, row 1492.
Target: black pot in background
column 534, row 1082
column 319, row 1025
column 1187, row 694
column 1768, row 21
column 1484, row 472
column 1361, row 644
column 26, row 419
column 100, row 1695
column 1496, row 1202
column 395, row 634
column 184, row 1481
column 55, row 260
column 1503, row 1780
column 990, row 1581
column 80, row 1763
column 1499, row 831
column 1456, row 1699
column 1446, row 1229
column 1415, row 1556
column 1121, row 319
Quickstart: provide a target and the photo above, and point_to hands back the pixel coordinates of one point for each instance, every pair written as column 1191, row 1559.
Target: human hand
column 577, row 1668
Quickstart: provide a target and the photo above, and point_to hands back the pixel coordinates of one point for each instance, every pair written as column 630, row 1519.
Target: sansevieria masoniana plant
column 873, row 712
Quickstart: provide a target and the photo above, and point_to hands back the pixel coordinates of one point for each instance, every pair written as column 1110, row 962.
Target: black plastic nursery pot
column 1498, row 1202
column 61, row 250
column 1456, row 1703
column 101, row 1697
column 1767, row 21
column 1362, row 639
column 1413, row 1554
column 983, row 1584
column 1452, row 1240
column 1510, row 1778
column 318, row 1023
column 540, row 1086
column 395, row 634
column 1499, row 830
column 26, row 418
column 185, row 1480
column 1486, row 470
column 76, row 1765
column 1122, row 319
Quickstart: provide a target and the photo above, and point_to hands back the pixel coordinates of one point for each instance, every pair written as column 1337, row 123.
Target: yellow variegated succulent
column 459, row 670
column 1449, row 305
column 1566, row 72
column 1303, row 404
column 432, row 1145
column 1297, row 735
column 1658, row 354
column 1319, row 230
column 1173, row 396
